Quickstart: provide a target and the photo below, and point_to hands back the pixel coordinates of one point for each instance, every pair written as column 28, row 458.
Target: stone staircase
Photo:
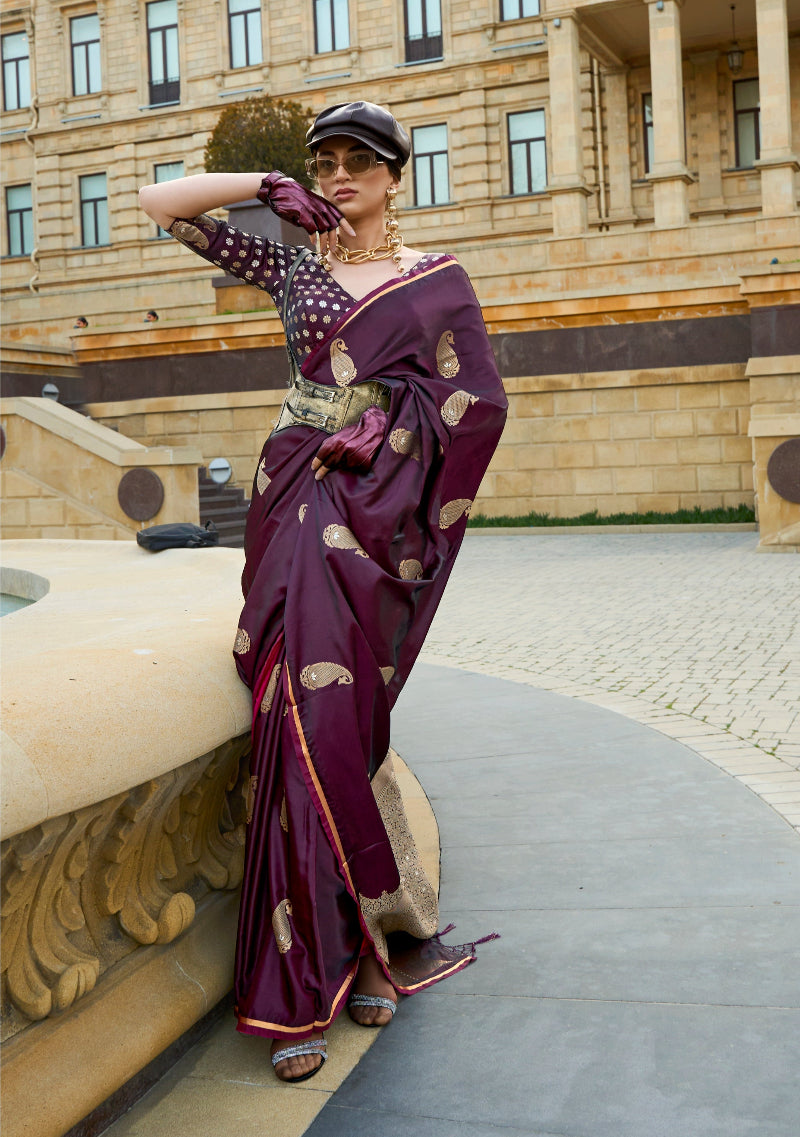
column 226, row 506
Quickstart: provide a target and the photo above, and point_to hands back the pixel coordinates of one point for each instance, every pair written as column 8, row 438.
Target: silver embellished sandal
column 310, row 1046
column 371, row 1001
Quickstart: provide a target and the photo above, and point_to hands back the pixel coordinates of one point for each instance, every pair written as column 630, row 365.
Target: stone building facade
column 615, row 175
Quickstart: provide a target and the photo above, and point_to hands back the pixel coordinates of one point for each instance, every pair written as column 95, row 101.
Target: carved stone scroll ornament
column 82, row 891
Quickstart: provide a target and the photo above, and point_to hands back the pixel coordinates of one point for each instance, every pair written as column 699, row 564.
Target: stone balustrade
column 125, row 735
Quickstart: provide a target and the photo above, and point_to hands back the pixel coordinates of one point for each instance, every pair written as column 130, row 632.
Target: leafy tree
column 260, row 134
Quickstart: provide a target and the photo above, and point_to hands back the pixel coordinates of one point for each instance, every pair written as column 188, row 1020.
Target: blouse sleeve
column 254, row 260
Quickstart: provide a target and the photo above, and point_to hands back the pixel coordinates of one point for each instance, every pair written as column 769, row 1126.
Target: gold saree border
column 335, row 1007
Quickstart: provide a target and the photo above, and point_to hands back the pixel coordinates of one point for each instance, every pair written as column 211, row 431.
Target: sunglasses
column 361, row 162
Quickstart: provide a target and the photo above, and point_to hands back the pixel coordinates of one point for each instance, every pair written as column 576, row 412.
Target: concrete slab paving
column 645, row 985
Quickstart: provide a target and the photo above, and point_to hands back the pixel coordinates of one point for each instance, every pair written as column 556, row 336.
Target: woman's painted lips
column 344, row 194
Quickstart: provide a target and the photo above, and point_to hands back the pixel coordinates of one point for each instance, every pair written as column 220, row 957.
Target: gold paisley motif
column 241, row 645
column 453, row 510
column 340, row 537
column 190, row 232
column 344, row 370
column 272, row 686
column 262, row 477
column 410, row 569
column 446, row 358
column 280, row 926
column 453, row 410
column 387, row 673
column 284, row 817
column 250, row 800
column 405, row 442
column 318, row 675
column 302, row 511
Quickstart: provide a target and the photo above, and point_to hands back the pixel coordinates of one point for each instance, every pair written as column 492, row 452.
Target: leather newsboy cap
column 366, row 122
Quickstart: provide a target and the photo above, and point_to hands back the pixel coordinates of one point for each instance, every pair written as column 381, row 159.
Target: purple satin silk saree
column 341, row 582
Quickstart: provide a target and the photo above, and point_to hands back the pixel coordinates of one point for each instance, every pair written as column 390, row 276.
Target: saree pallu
column 341, row 581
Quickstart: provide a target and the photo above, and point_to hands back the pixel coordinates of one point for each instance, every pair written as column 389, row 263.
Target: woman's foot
column 371, row 980
column 301, row 1066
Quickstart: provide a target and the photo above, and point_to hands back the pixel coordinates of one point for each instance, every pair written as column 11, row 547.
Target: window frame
column 11, row 213
column 243, row 15
column 16, row 62
column 520, row 4
column 171, row 88
column 418, row 156
column 516, row 142
column 93, row 201
column 738, row 114
column 425, row 48
column 648, row 134
column 85, row 44
column 335, row 44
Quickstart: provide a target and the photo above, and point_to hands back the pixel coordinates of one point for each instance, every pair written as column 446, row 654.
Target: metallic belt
column 329, row 408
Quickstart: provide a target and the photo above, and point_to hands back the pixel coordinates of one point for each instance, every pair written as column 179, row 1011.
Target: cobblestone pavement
column 693, row 634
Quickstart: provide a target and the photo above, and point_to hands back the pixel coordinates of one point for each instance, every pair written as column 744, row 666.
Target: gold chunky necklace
column 391, row 248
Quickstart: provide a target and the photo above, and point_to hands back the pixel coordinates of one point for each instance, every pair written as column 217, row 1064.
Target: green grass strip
column 722, row 516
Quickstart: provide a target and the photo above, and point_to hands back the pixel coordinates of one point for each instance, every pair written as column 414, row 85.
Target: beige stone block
column 656, row 398
column 678, row 424
column 748, row 477
column 722, row 421
column 216, row 420
column 515, row 432
column 734, row 394
column 153, row 424
column 615, row 453
column 615, row 399
column 631, row 426
column 549, row 430
column 592, row 427
column 14, row 484
column 594, row 481
column 535, row 457
column 19, row 533
column 657, row 452
column 574, row 454
column 694, row 450
column 633, row 481
column 551, row 483
column 181, row 422
column 514, row 484
column 675, row 479
column 573, row 402
column 698, row 395
column 736, row 449
column 719, row 478
column 46, row 511
column 539, row 405
column 504, row 458
column 13, row 512
column 617, row 503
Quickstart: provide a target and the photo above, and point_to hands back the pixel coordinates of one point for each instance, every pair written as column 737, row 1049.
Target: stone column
column 619, row 145
column 566, row 184
column 777, row 162
column 709, row 167
column 669, row 174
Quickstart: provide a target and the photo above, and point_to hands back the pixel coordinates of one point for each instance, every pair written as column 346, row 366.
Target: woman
column 359, row 506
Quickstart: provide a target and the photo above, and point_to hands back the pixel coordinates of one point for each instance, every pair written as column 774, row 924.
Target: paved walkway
column 646, row 983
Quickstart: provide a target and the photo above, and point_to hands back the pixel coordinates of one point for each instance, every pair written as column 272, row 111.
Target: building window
column 162, row 50
column 84, row 34
column 94, row 210
column 747, row 113
column 527, row 154
column 423, row 30
column 647, row 123
column 19, row 219
column 430, row 165
column 331, row 25
column 16, row 72
column 167, row 172
column 517, row 9
column 244, row 30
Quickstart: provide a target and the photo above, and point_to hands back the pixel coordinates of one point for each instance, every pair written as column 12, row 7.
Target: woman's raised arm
column 189, row 197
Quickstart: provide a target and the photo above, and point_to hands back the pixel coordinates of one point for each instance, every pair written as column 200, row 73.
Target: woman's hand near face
column 288, row 199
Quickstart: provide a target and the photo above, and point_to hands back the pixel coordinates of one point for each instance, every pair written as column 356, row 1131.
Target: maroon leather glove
column 354, row 447
column 297, row 204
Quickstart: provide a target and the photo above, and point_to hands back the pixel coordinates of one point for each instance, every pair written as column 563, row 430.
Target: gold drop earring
column 394, row 238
